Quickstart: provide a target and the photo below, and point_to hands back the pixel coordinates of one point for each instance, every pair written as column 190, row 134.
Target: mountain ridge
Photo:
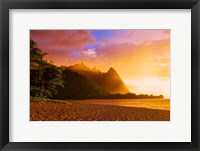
column 94, row 84
column 110, row 81
column 77, row 86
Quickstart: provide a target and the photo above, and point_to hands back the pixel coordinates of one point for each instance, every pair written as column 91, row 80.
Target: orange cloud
column 141, row 58
column 137, row 60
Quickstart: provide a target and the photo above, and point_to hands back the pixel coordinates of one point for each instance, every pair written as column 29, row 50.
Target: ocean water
column 161, row 104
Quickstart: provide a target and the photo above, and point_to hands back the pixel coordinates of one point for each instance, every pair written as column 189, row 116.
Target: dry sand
column 50, row 111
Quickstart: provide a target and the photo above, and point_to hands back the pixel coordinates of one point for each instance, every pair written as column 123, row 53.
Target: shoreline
column 52, row 111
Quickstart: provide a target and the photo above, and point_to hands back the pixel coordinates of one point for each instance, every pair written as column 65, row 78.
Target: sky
column 141, row 57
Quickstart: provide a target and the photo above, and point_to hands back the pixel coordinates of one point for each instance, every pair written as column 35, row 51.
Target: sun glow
column 140, row 57
column 156, row 86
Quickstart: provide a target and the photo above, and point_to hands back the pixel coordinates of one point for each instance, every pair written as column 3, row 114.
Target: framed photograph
column 99, row 75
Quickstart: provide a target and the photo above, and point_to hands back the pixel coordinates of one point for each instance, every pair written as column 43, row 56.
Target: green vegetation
column 39, row 99
column 48, row 82
column 77, row 86
column 44, row 77
column 110, row 81
column 133, row 96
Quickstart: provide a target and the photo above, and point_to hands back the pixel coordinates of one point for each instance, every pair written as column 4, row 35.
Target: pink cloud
column 129, row 58
column 61, row 40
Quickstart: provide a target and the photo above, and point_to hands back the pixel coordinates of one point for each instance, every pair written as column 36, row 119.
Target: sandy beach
column 51, row 111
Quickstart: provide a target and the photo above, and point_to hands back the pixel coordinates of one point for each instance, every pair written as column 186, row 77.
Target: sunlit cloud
column 89, row 52
column 141, row 57
column 163, row 64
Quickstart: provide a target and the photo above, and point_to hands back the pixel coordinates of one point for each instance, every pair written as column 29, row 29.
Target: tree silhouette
column 44, row 76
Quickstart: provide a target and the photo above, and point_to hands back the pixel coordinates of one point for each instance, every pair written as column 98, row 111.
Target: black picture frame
column 5, row 5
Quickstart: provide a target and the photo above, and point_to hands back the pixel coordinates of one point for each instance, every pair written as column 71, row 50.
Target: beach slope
column 51, row 111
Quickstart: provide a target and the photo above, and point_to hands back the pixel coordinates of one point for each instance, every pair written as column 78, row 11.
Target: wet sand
column 51, row 111
column 158, row 104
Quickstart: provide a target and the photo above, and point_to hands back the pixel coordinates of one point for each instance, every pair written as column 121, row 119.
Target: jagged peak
column 82, row 67
column 79, row 66
column 112, row 73
column 111, row 70
column 94, row 69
